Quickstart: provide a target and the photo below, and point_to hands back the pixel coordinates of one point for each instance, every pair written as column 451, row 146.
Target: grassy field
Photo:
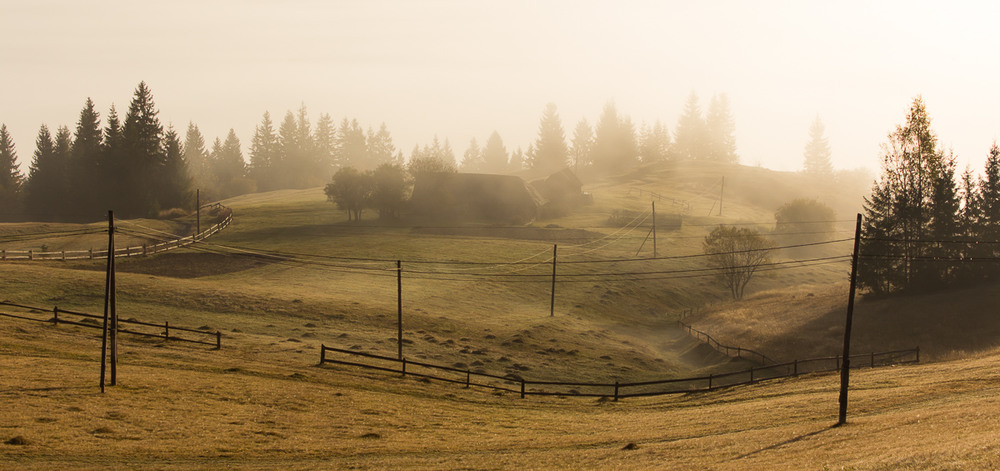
column 261, row 402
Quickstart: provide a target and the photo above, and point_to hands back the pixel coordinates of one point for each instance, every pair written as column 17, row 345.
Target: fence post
column 616, row 390
column 710, row 381
column 739, row 352
column 166, row 330
column 91, row 252
column 4, row 254
column 795, row 371
column 751, row 375
column 31, row 254
column 144, row 249
column 55, row 315
column 404, row 367
column 218, row 340
column 468, row 376
column 522, row 388
column 322, row 353
column 918, row 354
column 64, row 255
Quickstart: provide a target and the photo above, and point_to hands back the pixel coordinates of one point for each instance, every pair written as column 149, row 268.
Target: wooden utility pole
column 845, row 370
column 197, row 211
column 552, row 301
column 722, row 193
column 399, row 308
column 107, row 297
column 113, row 301
column 654, row 228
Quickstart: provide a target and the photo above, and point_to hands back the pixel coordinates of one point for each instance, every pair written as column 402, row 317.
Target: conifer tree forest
column 138, row 167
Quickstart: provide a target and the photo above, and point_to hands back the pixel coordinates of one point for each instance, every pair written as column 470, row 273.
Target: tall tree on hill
column 615, row 147
column 142, row 140
column 111, row 162
column 10, row 177
column 817, row 154
column 582, row 145
column 87, row 162
column 906, row 200
column 720, row 129
column 229, row 168
column 175, row 180
column 380, row 148
column 516, row 163
column 263, row 154
column 550, row 147
column 47, row 179
column 654, row 143
column 324, row 146
column 352, row 146
column 197, row 158
column 989, row 196
column 495, row 155
column 690, row 134
column 472, row 160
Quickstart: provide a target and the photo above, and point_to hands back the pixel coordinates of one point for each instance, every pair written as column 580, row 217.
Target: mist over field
column 447, row 234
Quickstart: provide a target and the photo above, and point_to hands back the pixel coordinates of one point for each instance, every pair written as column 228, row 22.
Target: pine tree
column 196, row 156
column 817, row 153
column 615, row 146
column 516, row 163
column 690, row 134
column 495, row 155
column 142, row 140
column 472, row 160
column 86, row 164
column 175, row 179
column 229, row 168
column 325, row 144
column 10, row 177
column 112, row 168
column 550, row 147
column 264, row 154
column 582, row 145
column 720, row 129
column 380, row 148
column 46, row 179
column 352, row 145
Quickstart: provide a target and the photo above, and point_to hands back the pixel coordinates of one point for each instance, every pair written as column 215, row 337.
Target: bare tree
column 737, row 253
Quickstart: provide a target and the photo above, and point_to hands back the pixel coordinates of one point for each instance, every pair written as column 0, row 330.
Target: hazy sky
column 462, row 69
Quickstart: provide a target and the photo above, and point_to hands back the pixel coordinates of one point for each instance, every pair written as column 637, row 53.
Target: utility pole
column 654, row 228
column 113, row 301
column 107, row 297
column 552, row 301
column 399, row 308
column 197, row 211
column 845, row 370
column 722, row 193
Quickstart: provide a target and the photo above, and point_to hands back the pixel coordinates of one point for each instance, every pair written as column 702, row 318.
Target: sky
column 462, row 69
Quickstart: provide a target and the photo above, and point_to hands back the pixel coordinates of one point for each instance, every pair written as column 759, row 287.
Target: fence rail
column 215, row 337
column 683, row 204
column 618, row 390
column 729, row 350
column 130, row 251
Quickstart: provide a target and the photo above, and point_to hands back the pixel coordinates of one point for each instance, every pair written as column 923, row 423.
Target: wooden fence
column 615, row 390
column 738, row 352
column 215, row 338
column 684, row 205
column 131, row 251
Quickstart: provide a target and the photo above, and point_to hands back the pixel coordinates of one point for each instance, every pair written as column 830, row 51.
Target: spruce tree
column 582, row 145
column 380, row 148
column 352, row 146
column 472, row 159
column 196, row 156
column 325, row 146
column 175, row 179
column 690, row 133
column 720, row 129
column 550, row 147
column 143, row 159
column 263, row 154
column 46, row 179
column 229, row 167
column 11, row 179
column 86, row 164
column 111, row 168
column 495, row 158
column 817, row 153
column 615, row 146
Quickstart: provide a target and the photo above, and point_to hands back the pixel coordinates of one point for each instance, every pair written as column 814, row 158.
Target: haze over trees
column 816, row 158
column 710, row 138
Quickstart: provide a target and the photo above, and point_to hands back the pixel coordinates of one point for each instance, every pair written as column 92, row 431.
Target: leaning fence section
column 729, row 350
column 130, row 251
column 131, row 326
column 616, row 389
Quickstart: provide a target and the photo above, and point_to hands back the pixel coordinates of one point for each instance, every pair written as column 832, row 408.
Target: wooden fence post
column 710, row 381
column 64, row 255
column 145, row 250
column 218, row 340
column 55, row 315
column 404, row 367
column 522, row 388
column 795, row 371
column 751, row 375
column 616, row 390
column 166, row 330
column 468, row 378
column 4, row 254
column 31, row 254
column 91, row 253
column 322, row 354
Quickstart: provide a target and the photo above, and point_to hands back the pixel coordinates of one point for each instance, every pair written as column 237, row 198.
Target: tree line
column 140, row 168
column 923, row 227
